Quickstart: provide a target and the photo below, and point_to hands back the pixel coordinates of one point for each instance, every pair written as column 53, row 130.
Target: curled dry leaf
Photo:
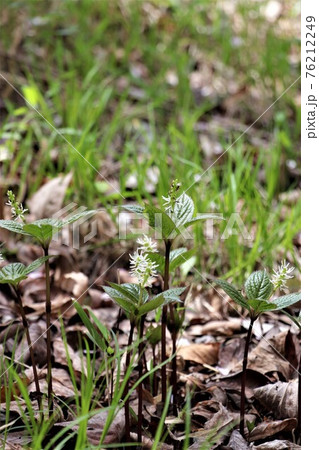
column 200, row 353
column 280, row 398
column 266, row 429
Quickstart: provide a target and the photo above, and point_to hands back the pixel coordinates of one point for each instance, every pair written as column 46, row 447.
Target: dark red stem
column 140, row 374
column 48, row 330
column 27, row 332
column 168, row 245
column 243, row 378
column 125, row 392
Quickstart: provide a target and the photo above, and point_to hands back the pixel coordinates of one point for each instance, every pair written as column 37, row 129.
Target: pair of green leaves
column 16, row 272
column 170, row 225
column 135, row 300
column 258, row 289
column 42, row 230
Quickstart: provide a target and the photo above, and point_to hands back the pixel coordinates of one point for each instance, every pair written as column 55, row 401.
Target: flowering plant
column 259, row 289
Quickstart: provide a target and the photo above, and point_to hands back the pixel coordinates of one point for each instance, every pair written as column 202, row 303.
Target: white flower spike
column 147, row 245
column 17, row 211
column 142, row 268
column 282, row 275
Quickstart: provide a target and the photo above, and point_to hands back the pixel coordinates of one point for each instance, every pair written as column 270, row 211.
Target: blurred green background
column 135, row 93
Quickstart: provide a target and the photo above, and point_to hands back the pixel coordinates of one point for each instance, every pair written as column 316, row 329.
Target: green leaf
column 36, row 264
column 168, row 296
column 232, row 292
column 179, row 257
column 78, row 216
column 260, row 306
column 173, row 294
column 158, row 259
column 258, row 286
column 13, row 226
column 153, row 335
column 286, row 300
column 183, row 210
column 137, row 209
column 121, row 299
column 160, row 221
column 93, row 333
column 151, row 305
column 43, row 230
column 131, row 291
column 16, row 272
column 203, row 217
column 13, row 274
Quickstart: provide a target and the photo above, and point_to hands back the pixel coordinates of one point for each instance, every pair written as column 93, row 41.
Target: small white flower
column 142, row 268
column 17, row 211
column 147, row 245
column 281, row 275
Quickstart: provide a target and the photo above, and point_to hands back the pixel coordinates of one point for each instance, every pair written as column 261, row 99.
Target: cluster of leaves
column 258, row 289
column 135, row 300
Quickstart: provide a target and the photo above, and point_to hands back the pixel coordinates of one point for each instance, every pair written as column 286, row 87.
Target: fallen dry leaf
column 200, row 353
column 60, row 357
column 276, row 445
column 48, row 200
column 37, row 335
column 269, row 357
column 96, row 424
column 237, row 442
column 266, row 429
column 280, row 398
column 74, row 282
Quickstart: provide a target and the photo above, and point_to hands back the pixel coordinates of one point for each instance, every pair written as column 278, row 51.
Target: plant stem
column 154, row 373
column 27, row 332
column 140, row 374
column 174, row 370
column 298, row 430
column 168, row 245
column 48, row 331
column 243, row 378
column 125, row 392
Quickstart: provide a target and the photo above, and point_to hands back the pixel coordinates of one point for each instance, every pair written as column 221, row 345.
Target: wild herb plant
column 134, row 299
column 13, row 274
column 170, row 220
column 259, row 289
column 42, row 231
